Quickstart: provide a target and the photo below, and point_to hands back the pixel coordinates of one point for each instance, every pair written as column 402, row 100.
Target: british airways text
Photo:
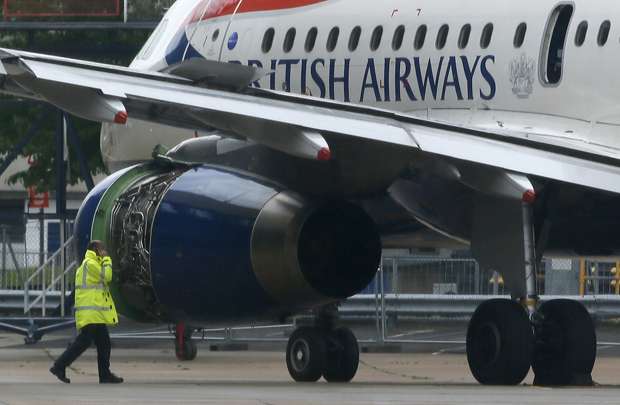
column 386, row 80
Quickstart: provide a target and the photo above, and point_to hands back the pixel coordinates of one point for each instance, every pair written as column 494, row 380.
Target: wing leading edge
column 293, row 124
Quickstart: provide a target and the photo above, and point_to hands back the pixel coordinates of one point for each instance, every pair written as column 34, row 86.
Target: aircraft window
column 420, row 36
column 375, row 40
column 399, row 34
column 354, row 39
column 487, row 34
column 311, row 39
column 332, row 39
column 520, row 35
column 216, row 34
column 268, row 40
column 464, row 36
column 442, row 36
column 582, row 30
column 603, row 33
column 554, row 41
column 289, row 40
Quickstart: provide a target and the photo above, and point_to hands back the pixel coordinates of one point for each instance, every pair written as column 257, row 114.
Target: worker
column 94, row 310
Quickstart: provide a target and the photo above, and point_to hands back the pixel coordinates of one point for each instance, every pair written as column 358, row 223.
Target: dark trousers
column 89, row 333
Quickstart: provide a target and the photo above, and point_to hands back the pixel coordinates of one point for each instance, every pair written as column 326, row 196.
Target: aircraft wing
column 297, row 125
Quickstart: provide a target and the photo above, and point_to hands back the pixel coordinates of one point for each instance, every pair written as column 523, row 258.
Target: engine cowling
column 210, row 242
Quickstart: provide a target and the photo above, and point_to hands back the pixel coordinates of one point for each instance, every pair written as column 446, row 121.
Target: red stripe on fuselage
column 220, row 8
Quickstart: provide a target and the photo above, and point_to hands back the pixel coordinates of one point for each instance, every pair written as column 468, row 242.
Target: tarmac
column 421, row 374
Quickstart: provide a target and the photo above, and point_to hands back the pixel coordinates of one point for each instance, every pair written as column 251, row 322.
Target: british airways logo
column 385, row 80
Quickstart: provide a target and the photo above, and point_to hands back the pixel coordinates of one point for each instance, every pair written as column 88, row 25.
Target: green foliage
column 16, row 118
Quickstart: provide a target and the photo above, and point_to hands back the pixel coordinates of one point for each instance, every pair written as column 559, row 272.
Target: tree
column 17, row 116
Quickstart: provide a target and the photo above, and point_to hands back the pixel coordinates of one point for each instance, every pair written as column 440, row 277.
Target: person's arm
column 106, row 262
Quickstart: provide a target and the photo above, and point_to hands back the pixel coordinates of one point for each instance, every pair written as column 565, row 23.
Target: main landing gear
column 559, row 342
column 322, row 350
column 507, row 336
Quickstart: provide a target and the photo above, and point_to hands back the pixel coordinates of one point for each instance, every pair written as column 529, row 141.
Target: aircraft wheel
column 499, row 343
column 565, row 349
column 306, row 354
column 343, row 356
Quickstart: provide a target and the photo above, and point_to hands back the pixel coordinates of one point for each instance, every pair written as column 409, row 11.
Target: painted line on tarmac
column 412, row 332
column 449, row 350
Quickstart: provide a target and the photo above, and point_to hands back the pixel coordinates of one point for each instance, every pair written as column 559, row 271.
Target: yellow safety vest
column 93, row 301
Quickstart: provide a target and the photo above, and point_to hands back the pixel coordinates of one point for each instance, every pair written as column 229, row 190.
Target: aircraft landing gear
column 499, row 343
column 184, row 347
column 315, row 351
column 505, row 337
column 565, row 348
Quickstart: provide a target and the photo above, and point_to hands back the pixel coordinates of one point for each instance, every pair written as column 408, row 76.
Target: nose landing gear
column 184, row 347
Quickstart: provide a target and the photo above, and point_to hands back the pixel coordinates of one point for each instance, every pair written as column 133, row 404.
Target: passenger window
column 603, row 33
column 268, row 40
column 442, row 36
column 399, row 34
column 216, row 34
column 289, row 40
column 354, row 39
column 553, row 45
column 310, row 39
column 520, row 35
column 375, row 39
column 464, row 36
column 582, row 31
column 332, row 39
column 487, row 34
column 420, row 37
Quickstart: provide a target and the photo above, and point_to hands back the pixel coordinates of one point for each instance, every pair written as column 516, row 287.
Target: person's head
column 98, row 247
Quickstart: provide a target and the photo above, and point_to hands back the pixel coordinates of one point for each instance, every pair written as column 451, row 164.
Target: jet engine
column 208, row 242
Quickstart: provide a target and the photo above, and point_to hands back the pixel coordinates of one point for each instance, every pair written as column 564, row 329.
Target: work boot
column 110, row 379
column 60, row 374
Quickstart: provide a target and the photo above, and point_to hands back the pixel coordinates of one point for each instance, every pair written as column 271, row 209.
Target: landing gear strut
column 322, row 350
column 184, row 347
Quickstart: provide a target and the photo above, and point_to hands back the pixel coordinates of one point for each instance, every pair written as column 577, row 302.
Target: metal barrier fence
column 439, row 275
column 433, row 275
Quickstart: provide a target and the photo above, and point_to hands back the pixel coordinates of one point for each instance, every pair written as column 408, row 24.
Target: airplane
column 303, row 136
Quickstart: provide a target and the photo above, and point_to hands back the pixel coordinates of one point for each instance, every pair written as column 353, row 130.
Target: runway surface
column 423, row 374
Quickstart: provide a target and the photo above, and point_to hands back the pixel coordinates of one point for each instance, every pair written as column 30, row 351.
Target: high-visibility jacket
column 93, row 301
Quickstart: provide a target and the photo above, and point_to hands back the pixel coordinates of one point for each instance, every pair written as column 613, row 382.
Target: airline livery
column 273, row 148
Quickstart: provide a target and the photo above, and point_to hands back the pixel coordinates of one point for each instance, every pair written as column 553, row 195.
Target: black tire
column 565, row 349
column 343, row 356
column 306, row 354
column 189, row 352
column 499, row 343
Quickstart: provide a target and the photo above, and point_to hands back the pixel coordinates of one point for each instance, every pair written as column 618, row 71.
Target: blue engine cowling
column 214, row 243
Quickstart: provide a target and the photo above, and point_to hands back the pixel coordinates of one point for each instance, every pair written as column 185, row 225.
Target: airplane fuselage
column 544, row 68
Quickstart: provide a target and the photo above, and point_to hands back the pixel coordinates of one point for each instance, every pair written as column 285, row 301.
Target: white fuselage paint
column 500, row 86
